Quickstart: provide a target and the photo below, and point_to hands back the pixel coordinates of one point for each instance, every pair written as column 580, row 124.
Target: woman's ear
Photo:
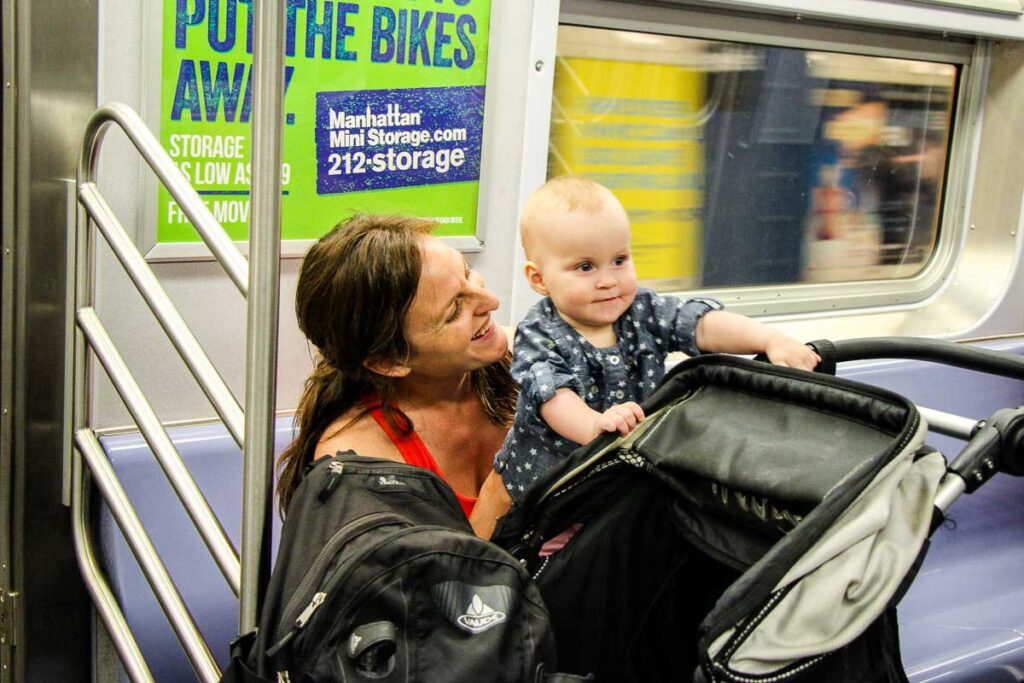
column 535, row 278
column 388, row 368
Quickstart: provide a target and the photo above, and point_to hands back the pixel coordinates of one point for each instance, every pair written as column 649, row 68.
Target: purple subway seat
column 215, row 462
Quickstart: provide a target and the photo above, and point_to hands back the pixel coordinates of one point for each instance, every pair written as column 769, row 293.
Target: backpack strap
column 238, row 670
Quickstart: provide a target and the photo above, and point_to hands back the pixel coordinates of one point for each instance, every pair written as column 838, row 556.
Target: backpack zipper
column 304, row 615
column 341, row 573
column 301, row 606
column 300, row 623
column 338, row 468
column 335, row 470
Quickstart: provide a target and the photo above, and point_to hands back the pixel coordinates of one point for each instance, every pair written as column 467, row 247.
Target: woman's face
column 449, row 324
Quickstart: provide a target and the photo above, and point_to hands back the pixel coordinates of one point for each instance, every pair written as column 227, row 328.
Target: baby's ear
column 535, row 278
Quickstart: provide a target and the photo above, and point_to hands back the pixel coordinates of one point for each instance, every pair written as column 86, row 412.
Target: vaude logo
column 471, row 608
column 479, row 617
column 389, row 481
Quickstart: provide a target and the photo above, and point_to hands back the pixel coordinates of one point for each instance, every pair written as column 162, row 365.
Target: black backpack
column 380, row 578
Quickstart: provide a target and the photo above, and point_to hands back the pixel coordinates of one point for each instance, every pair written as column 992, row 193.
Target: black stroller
column 760, row 525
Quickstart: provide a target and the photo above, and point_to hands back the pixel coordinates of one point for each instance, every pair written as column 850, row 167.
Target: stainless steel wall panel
column 56, row 92
column 7, row 162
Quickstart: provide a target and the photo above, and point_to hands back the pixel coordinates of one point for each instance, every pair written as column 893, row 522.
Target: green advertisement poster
column 384, row 105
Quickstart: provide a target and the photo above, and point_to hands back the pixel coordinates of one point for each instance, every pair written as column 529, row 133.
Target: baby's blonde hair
column 564, row 193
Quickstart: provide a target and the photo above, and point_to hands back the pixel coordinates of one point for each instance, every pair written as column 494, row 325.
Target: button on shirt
column 549, row 354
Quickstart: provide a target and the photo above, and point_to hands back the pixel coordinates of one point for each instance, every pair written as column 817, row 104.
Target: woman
column 412, row 367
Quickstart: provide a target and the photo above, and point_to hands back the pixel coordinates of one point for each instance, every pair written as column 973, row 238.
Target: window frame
column 807, row 299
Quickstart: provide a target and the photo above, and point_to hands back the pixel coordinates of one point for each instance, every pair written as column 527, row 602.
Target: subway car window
column 745, row 165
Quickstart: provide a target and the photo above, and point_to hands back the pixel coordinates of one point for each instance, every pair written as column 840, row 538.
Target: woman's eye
column 455, row 311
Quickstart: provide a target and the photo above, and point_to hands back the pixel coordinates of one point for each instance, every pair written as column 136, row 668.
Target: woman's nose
column 485, row 301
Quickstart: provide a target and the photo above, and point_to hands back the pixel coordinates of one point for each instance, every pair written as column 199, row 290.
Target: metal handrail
column 102, row 596
column 167, row 455
column 89, row 332
column 156, row 573
column 170, row 175
column 212, row 384
column 261, row 276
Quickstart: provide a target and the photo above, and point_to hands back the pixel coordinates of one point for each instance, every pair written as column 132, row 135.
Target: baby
column 594, row 348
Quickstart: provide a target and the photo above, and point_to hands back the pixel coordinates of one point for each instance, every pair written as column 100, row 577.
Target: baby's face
column 587, row 266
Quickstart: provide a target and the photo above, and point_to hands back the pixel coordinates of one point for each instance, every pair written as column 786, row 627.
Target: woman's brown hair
column 355, row 287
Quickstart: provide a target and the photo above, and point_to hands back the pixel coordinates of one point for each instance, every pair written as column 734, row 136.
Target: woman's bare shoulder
column 364, row 436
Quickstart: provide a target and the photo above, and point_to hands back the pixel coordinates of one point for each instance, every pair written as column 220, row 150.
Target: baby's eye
column 619, row 260
column 585, row 267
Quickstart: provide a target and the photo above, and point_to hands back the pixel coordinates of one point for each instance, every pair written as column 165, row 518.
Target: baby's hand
column 783, row 350
column 621, row 418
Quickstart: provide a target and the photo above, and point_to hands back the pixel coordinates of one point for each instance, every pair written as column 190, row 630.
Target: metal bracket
column 8, row 615
column 998, row 446
column 70, row 266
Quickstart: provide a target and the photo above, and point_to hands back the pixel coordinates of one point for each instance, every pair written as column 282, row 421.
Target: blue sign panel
column 376, row 139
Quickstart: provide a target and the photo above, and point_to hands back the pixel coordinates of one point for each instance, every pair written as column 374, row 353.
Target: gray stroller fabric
column 836, row 590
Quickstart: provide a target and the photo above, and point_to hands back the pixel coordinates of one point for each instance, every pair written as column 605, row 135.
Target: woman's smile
column 484, row 332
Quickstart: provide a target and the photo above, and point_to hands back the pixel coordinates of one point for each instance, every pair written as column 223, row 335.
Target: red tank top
column 414, row 452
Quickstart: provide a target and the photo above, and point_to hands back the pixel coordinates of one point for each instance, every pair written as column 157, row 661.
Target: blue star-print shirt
column 549, row 354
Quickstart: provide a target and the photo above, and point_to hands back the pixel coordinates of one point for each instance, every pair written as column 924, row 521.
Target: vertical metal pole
column 264, row 278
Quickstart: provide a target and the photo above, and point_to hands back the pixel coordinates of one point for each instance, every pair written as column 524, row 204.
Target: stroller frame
column 994, row 445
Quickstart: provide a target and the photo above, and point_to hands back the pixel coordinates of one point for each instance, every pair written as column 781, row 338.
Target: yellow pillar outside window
column 634, row 127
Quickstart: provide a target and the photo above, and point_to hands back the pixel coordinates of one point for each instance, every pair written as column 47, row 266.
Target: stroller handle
column 918, row 348
column 997, row 444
